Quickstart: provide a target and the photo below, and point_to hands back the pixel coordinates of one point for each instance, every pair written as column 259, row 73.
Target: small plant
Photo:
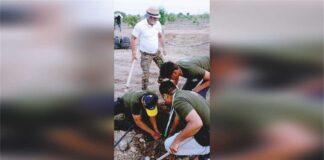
column 171, row 17
column 195, row 20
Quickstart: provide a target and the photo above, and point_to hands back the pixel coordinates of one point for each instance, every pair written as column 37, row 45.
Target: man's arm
column 153, row 122
column 203, row 85
column 143, row 126
column 194, row 124
column 174, row 125
column 134, row 47
column 161, row 43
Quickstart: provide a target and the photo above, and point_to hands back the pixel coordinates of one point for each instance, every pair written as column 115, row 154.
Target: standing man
column 194, row 111
column 195, row 69
column 118, row 21
column 148, row 33
column 138, row 107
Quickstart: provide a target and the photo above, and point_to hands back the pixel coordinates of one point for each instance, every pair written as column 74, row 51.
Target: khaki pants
column 146, row 60
column 187, row 147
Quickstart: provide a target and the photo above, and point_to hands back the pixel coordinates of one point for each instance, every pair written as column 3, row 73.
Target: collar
column 146, row 23
column 173, row 97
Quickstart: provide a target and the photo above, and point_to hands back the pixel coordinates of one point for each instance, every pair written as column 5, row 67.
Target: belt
column 148, row 53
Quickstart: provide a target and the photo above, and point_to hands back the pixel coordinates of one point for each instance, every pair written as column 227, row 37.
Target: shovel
column 130, row 75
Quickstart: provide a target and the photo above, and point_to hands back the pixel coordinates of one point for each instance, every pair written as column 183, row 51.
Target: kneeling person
column 137, row 106
column 194, row 111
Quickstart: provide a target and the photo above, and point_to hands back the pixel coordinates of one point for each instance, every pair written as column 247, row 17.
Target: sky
column 171, row 6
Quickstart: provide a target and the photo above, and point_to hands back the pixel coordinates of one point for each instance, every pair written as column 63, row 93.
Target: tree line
column 131, row 20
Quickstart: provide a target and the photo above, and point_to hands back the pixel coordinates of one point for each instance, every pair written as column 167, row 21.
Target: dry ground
column 183, row 39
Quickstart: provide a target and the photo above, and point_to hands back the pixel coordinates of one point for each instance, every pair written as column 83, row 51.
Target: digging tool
column 121, row 138
column 160, row 158
column 130, row 75
column 167, row 127
column 165, row 135
column 163, row 56
column 168, row 153
column 163, row 156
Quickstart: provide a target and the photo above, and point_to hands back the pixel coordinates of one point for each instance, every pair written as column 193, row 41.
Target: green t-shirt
column 194, row 67
column 185, row 101
column 132, row 101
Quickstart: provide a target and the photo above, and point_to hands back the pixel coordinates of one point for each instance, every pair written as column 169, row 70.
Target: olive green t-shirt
column 185, row 101
column 195, row 66
column 132, row 101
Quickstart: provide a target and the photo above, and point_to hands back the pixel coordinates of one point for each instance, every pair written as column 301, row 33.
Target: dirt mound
column 134, row 146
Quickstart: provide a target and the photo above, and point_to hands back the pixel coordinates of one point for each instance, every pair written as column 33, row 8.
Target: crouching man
column 194, row 111
column 138, row 107
column 195, row 69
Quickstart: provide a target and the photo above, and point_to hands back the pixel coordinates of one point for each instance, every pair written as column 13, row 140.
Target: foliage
column 203, row 16
column 131, row 20
column 180, row 15
column 163, row 15
column 195, row 20
column 171, row 17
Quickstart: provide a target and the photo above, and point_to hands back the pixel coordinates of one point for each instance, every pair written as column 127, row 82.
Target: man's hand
column 156, row 135
column 134, row 57
column 157, row 131
column 195, row 90
column 133, row 47
column 174, row 147
column 204, row 84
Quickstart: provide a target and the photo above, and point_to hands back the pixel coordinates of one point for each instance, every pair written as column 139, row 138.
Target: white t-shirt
column 148, row 36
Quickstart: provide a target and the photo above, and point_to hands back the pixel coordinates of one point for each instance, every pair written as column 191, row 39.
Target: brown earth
column 182, row 39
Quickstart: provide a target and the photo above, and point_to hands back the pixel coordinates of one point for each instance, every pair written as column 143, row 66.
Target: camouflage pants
column 146, row 60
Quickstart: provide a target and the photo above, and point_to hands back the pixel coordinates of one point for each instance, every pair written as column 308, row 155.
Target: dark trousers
column 118, row 25
column 122, row 124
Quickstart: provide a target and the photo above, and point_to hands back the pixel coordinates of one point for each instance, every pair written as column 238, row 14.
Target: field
column 183, row 38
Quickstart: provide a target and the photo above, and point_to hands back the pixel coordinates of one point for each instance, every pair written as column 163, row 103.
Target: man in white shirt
column 148, row 33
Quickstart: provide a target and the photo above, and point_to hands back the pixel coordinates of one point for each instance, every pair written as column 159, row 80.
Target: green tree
column 131, row 20
column 180, row 15
column 163, row 16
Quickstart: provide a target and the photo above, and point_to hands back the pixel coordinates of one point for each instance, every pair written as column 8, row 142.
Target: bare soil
column 182, row 39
